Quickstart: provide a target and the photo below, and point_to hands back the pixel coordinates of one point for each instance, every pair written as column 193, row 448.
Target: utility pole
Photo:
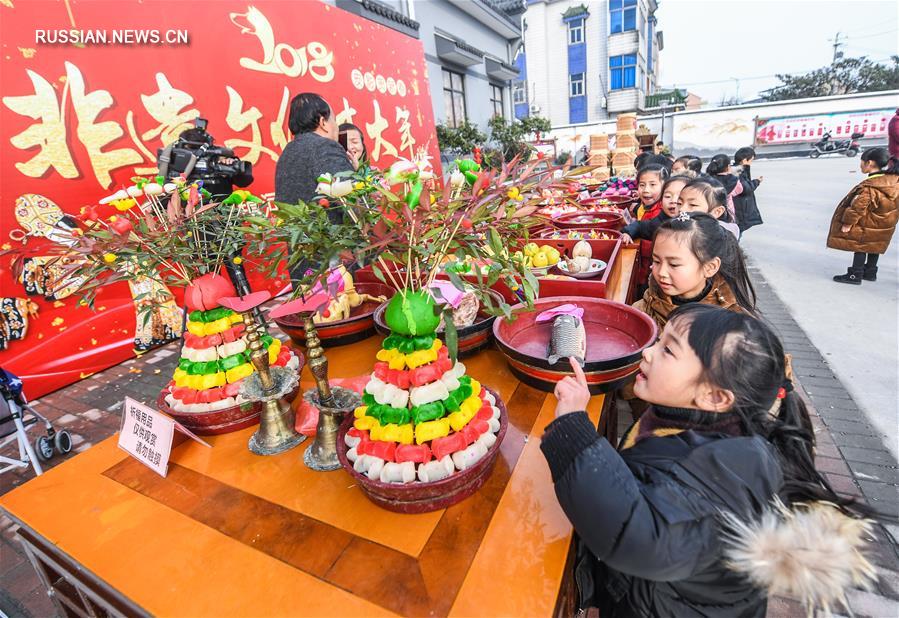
column 837, row 54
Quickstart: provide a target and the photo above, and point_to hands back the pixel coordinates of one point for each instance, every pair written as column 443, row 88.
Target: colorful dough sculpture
column 215, row 358
column 422, row 418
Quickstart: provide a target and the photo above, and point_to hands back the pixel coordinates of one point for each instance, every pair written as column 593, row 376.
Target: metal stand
column 269, row 386
column 332, row 404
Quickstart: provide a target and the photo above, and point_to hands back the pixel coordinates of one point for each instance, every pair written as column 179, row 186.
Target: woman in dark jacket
column 679, row 521
column 745, row 206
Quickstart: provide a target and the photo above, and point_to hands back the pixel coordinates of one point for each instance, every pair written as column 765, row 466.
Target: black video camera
column 195, row 156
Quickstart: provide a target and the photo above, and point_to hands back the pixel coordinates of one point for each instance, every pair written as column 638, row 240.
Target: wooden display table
column 229, row 533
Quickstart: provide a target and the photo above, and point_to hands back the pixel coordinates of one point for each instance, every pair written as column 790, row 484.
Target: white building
column 587, row 60
column 468, row 48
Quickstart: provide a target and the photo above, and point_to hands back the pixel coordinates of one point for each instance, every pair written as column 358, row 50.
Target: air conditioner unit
column 535, row 109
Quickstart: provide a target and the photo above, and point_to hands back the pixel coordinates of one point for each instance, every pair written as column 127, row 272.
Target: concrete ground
column 854, row 327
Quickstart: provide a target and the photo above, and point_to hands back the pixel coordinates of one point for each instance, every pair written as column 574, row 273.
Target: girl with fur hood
column 711, row 502
column 865, row 219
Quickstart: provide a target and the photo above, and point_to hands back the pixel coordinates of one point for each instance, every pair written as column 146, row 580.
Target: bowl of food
column 592, row 268
column 614, row 336
column 415, row 495
column 586, row 220
column 358, row 323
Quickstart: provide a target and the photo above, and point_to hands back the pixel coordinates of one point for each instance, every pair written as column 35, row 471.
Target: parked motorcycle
column 827, row 146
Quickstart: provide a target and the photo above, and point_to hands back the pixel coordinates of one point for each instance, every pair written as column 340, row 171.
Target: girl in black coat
column 745, row 206
column 688, row 517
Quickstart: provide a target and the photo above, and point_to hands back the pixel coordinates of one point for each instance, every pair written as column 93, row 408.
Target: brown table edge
column 90, row 590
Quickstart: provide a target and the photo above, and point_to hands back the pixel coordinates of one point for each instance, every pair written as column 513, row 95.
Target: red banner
column 91, row 90
column 803, row 129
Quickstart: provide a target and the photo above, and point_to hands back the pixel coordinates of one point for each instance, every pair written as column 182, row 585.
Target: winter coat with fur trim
column 683, row 526
column 872, row 209
column 649, row 517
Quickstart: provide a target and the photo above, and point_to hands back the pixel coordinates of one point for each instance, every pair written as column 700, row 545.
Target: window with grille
column 454, row 98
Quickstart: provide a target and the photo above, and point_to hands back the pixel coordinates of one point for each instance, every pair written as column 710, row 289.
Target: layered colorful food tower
column 215, row 357
column 422, row 419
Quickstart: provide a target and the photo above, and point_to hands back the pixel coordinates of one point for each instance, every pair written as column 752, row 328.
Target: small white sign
column 146, row 434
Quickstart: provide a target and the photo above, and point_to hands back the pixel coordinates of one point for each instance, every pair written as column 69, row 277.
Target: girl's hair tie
column 684, row 216
column 787, row 387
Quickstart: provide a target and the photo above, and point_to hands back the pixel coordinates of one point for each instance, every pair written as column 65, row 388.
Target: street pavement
column 854, row 327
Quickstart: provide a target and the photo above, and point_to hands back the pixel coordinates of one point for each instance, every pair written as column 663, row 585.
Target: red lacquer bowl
column 230, row 419
column 587, row 220
column 616, row 337
column 471, row 339
column 360, row 325
column 425, row 497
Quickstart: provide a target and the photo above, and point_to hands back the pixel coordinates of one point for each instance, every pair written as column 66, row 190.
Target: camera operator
column 195, row 156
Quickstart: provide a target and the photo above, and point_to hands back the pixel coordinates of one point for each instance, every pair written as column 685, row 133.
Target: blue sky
column 708, row 43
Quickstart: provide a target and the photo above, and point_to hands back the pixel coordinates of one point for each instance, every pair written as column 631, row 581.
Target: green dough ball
column 412, row 313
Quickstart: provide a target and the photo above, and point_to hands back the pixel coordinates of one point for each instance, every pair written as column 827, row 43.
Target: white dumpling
column 351, row 441
column 398, row 472
column 468, row 457
column 493, row 424
column 352, row 455
column 488, row 439
column 376, row 464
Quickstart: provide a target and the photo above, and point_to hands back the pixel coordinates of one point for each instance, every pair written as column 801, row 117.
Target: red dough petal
column 232, row 389
column 420, row 453
column 381, row 370
column 448, row 445
column 379, row 448
column 474, row 429
column 485, row 413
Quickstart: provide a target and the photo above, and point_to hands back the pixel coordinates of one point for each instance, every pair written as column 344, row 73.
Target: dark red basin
column 616, row 336
column 471, row 338
column 425, row 497
column 589, row 220
column 221, row 421
column 360, row 325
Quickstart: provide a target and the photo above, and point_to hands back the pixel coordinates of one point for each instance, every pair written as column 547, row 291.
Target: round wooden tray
column 425, row 497
column 616, row 337
column 227, row 420
column 360, row 325
column 471, row 338
column 589, row 220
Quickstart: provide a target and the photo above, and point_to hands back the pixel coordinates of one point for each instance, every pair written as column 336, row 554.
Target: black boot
column 870, row 273
column 853, row 276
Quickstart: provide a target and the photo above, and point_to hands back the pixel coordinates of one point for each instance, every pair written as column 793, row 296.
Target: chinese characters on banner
column 77, row 121
column 803, row 129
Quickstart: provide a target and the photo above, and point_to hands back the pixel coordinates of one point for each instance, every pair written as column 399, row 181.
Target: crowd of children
column 711, row 501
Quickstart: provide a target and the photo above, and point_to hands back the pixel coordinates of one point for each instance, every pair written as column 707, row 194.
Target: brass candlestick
column 269, row 386
column 332, row 404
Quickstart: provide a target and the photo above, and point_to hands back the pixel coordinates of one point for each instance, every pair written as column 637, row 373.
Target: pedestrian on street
column 865, row 219
column 745, row 207
column 893, row 137
column 719, row 169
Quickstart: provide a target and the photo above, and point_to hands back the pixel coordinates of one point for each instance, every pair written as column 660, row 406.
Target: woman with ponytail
column 865, row 219
column 711, row 502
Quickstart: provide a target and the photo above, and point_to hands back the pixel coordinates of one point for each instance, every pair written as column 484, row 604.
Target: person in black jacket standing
column 745, row 206
column 690, row 516
column 313, row 151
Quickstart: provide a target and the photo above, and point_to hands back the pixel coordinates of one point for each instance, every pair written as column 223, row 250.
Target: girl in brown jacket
column 695, row 260
column 865, row 219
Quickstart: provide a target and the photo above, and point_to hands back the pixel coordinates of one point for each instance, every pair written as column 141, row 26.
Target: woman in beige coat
column 865, row 219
